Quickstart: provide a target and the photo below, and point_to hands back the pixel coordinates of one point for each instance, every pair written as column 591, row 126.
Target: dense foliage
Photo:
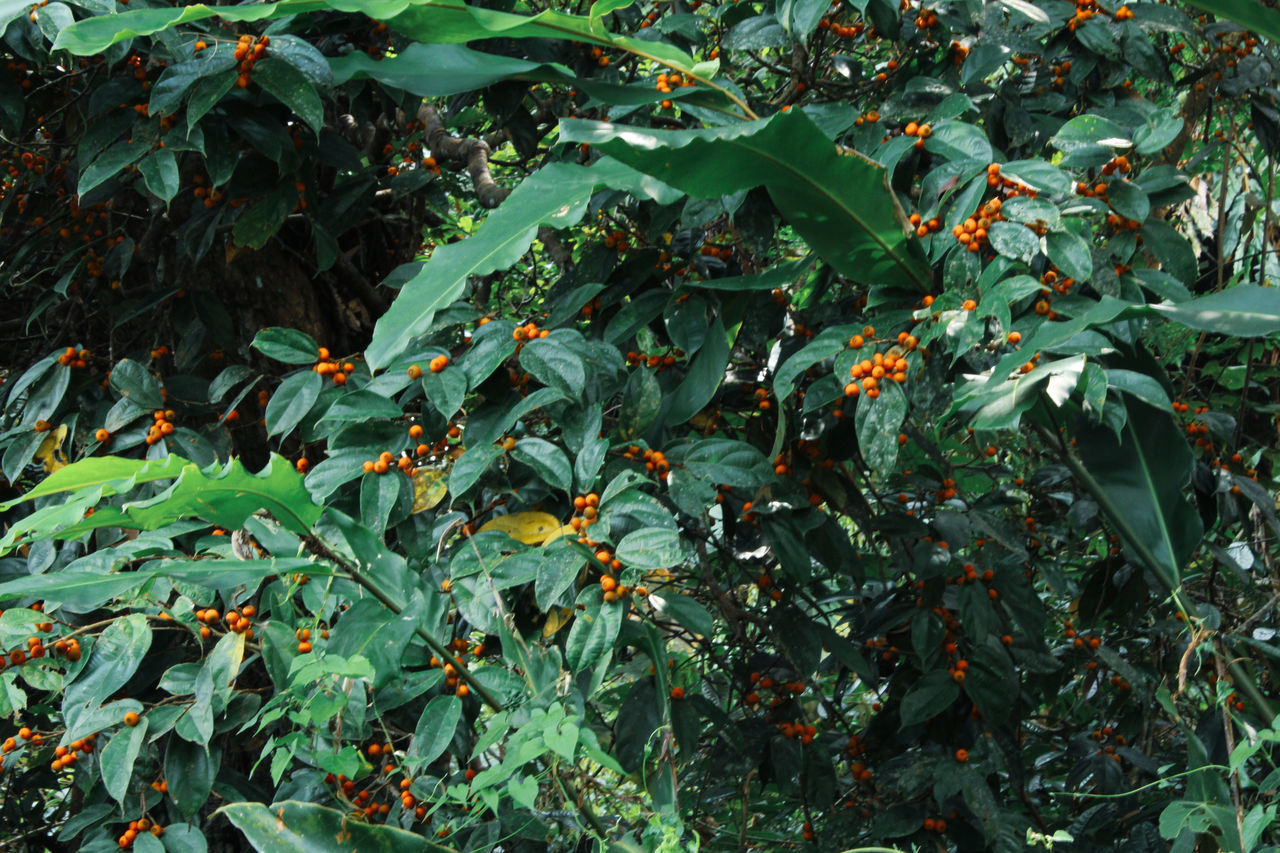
column 733, row 425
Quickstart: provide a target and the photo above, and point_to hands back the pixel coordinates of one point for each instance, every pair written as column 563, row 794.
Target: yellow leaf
column 429, row 488
column 557, row 618
column 531, row 528
column 50, row 453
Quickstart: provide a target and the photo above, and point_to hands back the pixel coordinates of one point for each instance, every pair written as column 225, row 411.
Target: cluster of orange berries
column 1120, row 223
column 654, row 460
column 162, row 426
column 36, row 648
column 385, row 462
column 25, row 735
column 247, row 53
column 613, row 591
column 76, row 359
column 136, row 828
column 210, row 197
column 451, row 679
column 870, row 117
column 935, row 824
column 972, row 233
column 65, row 756
column 598, row 55
column 436, row 365
column 617, row 239
column 585, row 512
column 868, row 373
column 658, row 362
column 303, row 636
column 924, row 226
column 920, row 131
column 842, row 31
column 926, row 20
column 339, row 371
column 528, row 332
column 159, row 352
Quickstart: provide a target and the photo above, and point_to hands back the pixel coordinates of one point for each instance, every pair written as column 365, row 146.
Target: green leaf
column 686, row 611
column 292, row 88
column 263, row 219
column 558, row 568
column 291, row 401
column 1127, row 199
column 1245, row 311
column 554, row 363
column 135, row 383
column 159, row 172
column 840, row 203
column 1014, row 241
column 652, row 548
column 548, row 460
column 556, row 195
column 378, row 496
column 118, row 757
column 1144, row 473
column 1252, row 16
column 930, row 695
column 188, row 770
column 113, row 660
column 296, row 827
column 641, row 404
column 287, row 345
column 705, row 375
column 1146, row 388
column 110, row 163
column 435, row 729
column 1070, row 254
column 375, row 633
column 594, row 630
column 877, row 422
column 470, row 467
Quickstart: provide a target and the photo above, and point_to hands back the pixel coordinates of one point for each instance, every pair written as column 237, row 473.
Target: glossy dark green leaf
column 553, row 362
column 287, row 345
column 1128, row 200
column 378, row 496
column 1014, row 241
column 470, row 466
column 117, row 759
column 877, row 422
column 652, row 548
column 291, row 401
column 594, row 629
column 549, row 461
column 297, row 827
column 1070, row 254
column 113, row 660
column 838, row 202
column 292, row 88
column 189, row 771
column 260, row 222
column 929, row 695
column 159, row 171
column 706, row 372
column 135, row 382
column 434, row 732
column 641, row 404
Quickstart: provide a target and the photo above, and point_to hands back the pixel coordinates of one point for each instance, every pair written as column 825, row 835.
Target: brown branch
column 468, row 151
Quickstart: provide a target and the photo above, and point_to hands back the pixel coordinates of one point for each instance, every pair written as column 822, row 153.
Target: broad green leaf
column 470, row 467
column 548, row 460
column 705, row 375
column 135, row 383
column 118, row 757
column 287, row 345
column 1245, row 311
column 594, row 629
column 652, row 548
column 1253, row 16
column 292, row 88
column 189, row 771
column 556, row 194
column 113, row 660
column 376, row 634
column 929, row 695
column 877, row 423
column 297, row 827
column 159, row 172
column 839, row 203
column 257, row 225
column 435, row 729
column 1144, row 473
column 291, row 401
